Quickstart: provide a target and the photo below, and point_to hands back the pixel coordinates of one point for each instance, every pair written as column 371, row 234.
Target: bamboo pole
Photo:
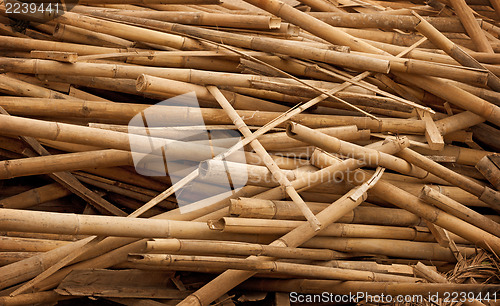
column 281, row 227
column 294, row 269
column 78, row 35
column 268, row 209
column 155, row 85
column 35, row 196
column 452, row 207
column 238, row 248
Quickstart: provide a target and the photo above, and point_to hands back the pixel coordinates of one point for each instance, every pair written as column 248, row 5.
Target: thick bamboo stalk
column 128, row 32
column 35, row 196
column 308, row 271
column 267, row 209
column 452, row 207
column 11, row 257
column 14, row 86
column 464, row 156
column 258, row 22
column 26, row 44
column 484, row 193
column 238, row 248
column 471, row 26
column 489, row 168
column 389, row 22
column 155, row 85
column 322, row 5
column 281, row 227
column 78, row 35
column 45, row 297
column 64, row 162
column 15, row 244
column 65, row 57
column 124, row 112
column 442, row 42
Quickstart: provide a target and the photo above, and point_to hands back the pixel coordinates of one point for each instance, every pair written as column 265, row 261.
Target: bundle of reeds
column 197, row 151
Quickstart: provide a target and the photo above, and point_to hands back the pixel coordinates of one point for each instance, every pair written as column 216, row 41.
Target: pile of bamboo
column 202, row 151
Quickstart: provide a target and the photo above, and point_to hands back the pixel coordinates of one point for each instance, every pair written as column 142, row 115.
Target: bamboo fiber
column 266, row 266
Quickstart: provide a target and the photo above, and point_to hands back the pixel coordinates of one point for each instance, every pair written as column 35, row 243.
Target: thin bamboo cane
column 11, row 257
column 238, row 248
column 464, row 156
column 35, row 196
column 45, row 297
column 266, row 266
column 17, row 87
column 152, row 2
column 268, row 161
column 65, row 57
column 452, row 207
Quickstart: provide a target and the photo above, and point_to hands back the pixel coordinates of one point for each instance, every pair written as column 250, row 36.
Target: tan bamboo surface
column 369, row 130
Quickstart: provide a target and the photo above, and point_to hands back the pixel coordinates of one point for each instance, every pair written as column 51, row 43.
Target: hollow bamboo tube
column 442, row 42
column 309, row 271
column 484, row 193
column 123, row 112
column 258, row 22
column 155, row 85
column 129, row 32
column 27, row 44
column 64, row 162
column 82, row 36
column 367, row 155
column 364, row 288
column 389, row 22
column 238, row 248
column 488, row 167
column 35, row 196
column 17, row 87
column 455, row 208
column 268, row 161
column 281, row 227
column 475, row 32
column 267, row 209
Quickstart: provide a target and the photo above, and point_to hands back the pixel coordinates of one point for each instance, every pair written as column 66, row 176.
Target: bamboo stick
column 35, row 196
column 78, row 35
column 238, row 248
column 266, row 266
column 459, row 210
